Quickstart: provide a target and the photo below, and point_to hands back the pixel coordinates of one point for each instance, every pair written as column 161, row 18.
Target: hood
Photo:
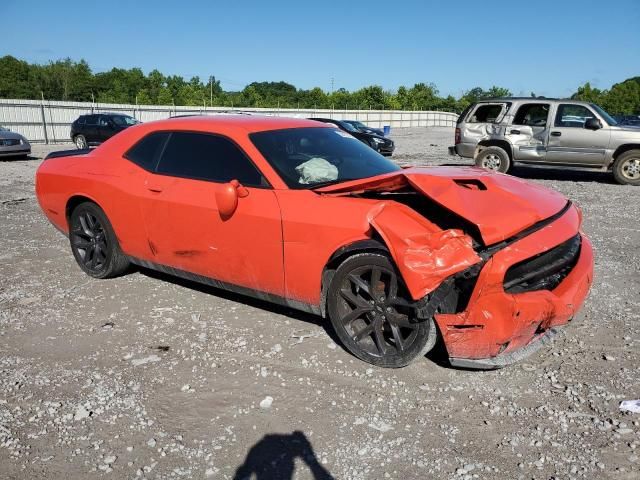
column 499, row 205
column 628, row 128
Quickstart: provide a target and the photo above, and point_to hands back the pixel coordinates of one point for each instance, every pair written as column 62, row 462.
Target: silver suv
column 499, row 132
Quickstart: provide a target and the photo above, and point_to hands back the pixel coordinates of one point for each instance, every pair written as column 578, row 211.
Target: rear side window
column 487, row 113
column 91, row 119
column 203, row 156
column 81, row 120
column 532, row 114
column 146, row 152
column 463, row 115
column 572, row 116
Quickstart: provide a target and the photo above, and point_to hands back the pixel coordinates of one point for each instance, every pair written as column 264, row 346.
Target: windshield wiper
column 330, row 182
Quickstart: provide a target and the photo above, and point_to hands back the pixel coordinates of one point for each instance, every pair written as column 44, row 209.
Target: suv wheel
column 80, row 142
column 626, row 169
column 494, row 158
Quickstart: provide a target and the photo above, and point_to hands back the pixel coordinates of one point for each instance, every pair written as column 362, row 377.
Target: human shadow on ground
column 273, row 458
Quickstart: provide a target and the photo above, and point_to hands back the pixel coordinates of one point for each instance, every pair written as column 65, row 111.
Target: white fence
column 50, row 121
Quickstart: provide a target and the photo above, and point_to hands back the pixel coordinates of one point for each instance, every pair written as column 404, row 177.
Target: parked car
column 379, row 143
column 631, row 120
column 500, row 132
column 301, row 214
column 364, row 128
column 96, row 128
column 13, row 144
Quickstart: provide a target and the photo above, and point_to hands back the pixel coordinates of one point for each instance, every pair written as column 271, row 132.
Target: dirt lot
column 148, row 376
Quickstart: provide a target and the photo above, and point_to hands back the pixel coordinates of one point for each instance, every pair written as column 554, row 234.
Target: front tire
column 94, row 244
column 626, row 168
column 373, row 314
column 494, row 158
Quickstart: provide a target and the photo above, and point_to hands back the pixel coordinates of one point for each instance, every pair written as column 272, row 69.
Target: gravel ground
column 146, row 376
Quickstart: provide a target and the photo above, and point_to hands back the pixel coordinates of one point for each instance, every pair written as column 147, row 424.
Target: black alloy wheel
column 373, row 314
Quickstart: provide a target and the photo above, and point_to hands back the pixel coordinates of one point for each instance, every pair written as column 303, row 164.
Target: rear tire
column 94, row 244
column 81, row 142
column 373, row 315
column 626, row 168
column 494, row 158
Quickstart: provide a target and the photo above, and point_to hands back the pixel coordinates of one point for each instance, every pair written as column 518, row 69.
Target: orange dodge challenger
column 299, row 213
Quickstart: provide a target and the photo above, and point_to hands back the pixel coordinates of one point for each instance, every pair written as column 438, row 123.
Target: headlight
column 377, row 140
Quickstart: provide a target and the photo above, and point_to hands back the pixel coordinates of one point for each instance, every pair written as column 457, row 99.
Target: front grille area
column 9, row 142
column 544, row 271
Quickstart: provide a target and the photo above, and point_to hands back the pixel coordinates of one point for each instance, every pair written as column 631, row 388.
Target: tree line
column 74, row 81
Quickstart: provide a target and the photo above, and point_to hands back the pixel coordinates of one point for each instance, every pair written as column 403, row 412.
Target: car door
column 571, row 143
column 528, row 132
column 186, row 227
column 90, row 128
column 106, row 128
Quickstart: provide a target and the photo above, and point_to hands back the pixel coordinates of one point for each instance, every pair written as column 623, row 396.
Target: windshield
column 123, row 120
column 348, row 127
column 358, row 125
column 2, row 129
column 315, row 156
column 607, row 118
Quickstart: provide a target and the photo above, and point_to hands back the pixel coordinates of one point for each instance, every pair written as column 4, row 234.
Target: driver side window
column 572, row 116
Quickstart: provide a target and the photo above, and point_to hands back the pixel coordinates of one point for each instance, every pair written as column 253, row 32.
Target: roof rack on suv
column 503, row 99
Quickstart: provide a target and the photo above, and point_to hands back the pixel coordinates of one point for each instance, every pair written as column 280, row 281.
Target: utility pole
column 332, row 79
column 211, row 90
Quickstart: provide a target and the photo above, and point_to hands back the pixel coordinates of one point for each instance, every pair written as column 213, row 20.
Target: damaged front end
column 497, row 262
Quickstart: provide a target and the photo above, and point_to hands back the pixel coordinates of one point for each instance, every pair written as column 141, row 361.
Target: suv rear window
column 532, row 114
column 487, row 113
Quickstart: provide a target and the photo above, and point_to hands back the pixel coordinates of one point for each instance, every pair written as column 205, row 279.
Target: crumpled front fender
column 424, row 254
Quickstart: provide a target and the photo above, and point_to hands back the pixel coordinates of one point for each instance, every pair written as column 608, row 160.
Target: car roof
column 248, row 123
column 322, row 119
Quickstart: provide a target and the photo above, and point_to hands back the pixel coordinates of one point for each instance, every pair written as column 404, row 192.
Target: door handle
column 515, row 132
column 556, row 134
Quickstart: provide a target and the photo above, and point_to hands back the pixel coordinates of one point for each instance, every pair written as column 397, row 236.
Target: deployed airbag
column 316, row 170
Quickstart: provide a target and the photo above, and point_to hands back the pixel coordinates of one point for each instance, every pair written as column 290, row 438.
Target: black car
column 96, row 128
column 365, row 128
column 629, row 120
column 379, row 143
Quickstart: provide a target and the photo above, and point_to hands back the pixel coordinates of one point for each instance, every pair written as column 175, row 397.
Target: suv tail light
column 457, row 141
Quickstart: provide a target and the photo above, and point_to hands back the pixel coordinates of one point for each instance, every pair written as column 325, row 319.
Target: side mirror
column 592, row 124
column 227, row 198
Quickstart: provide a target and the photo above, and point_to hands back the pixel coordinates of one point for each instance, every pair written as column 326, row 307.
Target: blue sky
column 549, row 47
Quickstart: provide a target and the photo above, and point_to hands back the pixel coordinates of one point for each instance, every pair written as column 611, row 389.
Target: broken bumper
column 498, row 328
column 505, row 359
